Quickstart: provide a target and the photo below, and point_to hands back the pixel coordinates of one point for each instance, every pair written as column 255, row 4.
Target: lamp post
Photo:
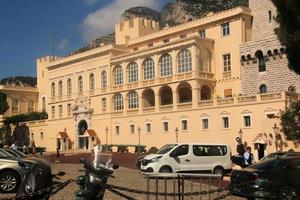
column 276, row 131
column 139, row 147
column 241, row 134
column 106, row 132
column 176, row 132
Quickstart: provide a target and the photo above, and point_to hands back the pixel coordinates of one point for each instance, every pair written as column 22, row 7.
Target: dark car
column 281, row 154
column 275, row 178
column 21, row 164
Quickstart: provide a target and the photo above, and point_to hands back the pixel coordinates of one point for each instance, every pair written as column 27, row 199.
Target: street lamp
column 276, row 131
column 176, row 132
column 139, row 148
column 241, row 134
column 106, row 132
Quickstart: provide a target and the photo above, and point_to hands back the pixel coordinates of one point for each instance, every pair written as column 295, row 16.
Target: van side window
column 181, row 150
column 209, row 150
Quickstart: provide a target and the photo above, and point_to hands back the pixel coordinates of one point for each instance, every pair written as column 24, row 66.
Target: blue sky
column 25, row 28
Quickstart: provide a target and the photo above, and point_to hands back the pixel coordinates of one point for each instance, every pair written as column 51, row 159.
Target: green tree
column 288, row 32
column 3, row 103
column 290, row 122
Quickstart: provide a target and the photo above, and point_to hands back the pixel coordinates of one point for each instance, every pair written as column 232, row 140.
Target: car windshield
column 4, row 154
column 16, row 153
column 267, row 164
column 166, row 148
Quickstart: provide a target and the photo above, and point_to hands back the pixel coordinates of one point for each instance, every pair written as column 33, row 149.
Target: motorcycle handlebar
column 100, row 167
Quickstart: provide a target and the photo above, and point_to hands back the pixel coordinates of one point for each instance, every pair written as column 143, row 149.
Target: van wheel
column 219, row 171
column 165, row 169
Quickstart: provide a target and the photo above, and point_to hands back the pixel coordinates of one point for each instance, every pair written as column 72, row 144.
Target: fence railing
column 183, row 186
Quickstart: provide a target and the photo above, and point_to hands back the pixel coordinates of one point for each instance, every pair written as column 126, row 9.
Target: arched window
column 205, row 93
column 165, row 65
column 44, row 104
column 60, row 88
column 103, row 79
column 80, row 85
column 149, row 71
column 133, row 100
column 118, row 102
column 263, row 89
column 132, row 72
column 184, row 61
column 92, row 82
column 69, row 87
column 118, row 75
column 53, row 90
column 261, row 61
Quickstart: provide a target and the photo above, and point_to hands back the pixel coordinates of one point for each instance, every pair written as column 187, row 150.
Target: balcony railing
column 205, row 103
column 166, row 107
column 225, row 101
column 149, row 109
column 186, row 105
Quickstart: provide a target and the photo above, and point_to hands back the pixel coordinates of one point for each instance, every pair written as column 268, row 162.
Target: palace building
column 209, row 80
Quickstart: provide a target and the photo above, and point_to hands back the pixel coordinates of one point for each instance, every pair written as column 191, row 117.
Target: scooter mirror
column 115, row 166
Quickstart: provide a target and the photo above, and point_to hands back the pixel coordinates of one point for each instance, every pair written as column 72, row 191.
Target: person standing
column 14, row 146
column 57, row 156
column 248, row 157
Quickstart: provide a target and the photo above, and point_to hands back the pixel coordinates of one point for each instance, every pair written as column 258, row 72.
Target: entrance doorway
column 261, row 151
column 82, row 141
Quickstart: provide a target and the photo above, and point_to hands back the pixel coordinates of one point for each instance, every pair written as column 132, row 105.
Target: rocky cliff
column 176, row 12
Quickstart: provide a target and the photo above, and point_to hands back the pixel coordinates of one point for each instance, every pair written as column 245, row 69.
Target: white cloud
column 103, row 20
column 63, row 44
column 89, row 2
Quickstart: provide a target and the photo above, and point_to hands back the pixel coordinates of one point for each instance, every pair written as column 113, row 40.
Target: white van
column 204, row 158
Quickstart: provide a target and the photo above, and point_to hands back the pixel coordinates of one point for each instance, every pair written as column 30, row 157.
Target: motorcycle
column 37, row 181
column 93, row 183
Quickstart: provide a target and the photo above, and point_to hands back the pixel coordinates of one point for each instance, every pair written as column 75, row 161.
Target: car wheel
column 288, row 194
column 219, row 171
column 9, row 182
column 165, row 169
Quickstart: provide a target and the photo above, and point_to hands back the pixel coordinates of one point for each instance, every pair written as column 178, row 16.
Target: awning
column 259, row 139
column 62, row 135
column 89, row 133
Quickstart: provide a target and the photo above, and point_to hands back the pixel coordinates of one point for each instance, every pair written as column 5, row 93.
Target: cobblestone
column 125, row 177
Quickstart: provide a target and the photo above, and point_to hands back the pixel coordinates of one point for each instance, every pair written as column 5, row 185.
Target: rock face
column 182, row 11
column 174, row 13
column 140, row 12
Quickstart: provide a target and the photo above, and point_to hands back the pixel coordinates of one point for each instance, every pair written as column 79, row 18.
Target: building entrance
column 82, row 141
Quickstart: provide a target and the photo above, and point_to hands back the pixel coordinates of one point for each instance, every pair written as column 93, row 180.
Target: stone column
column 175, row 99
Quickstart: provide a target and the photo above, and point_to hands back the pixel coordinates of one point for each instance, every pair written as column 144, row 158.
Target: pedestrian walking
column 57, row 156
column 248, row 157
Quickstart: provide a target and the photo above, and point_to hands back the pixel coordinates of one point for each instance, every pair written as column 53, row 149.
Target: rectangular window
column 69, row 110
column 15, row 107
column 52, row 112
column 117, row 130
column 205, row 123
column 165, row 126
column 60, row 111
column 148, row 127
column 104, row 105
column 270, row 16
column 225, row 121
column 41, row 135
column 228, row 93
column 226, row 63
column 182, row 36
column 166, row 40
column 202, row 33
column 131, row 127
column 225, row 29
column 184, row 125
column 30, row 106
column 247, row 121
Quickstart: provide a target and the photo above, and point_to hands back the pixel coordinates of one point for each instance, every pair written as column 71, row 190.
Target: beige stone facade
column 152, row 81
column 20, row 99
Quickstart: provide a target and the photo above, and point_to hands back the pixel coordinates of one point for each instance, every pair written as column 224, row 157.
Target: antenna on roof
column 51, row 43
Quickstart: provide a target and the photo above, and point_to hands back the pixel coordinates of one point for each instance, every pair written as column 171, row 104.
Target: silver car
column 11, row 173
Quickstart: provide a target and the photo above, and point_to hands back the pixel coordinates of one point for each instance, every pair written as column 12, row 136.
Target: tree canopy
column 289, row 30
column 3, row 103
column 290, row 122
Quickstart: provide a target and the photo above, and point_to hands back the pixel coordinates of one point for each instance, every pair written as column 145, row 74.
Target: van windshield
column 166, row 148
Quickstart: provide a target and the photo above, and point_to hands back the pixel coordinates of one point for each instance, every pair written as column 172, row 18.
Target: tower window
column 270, row 16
